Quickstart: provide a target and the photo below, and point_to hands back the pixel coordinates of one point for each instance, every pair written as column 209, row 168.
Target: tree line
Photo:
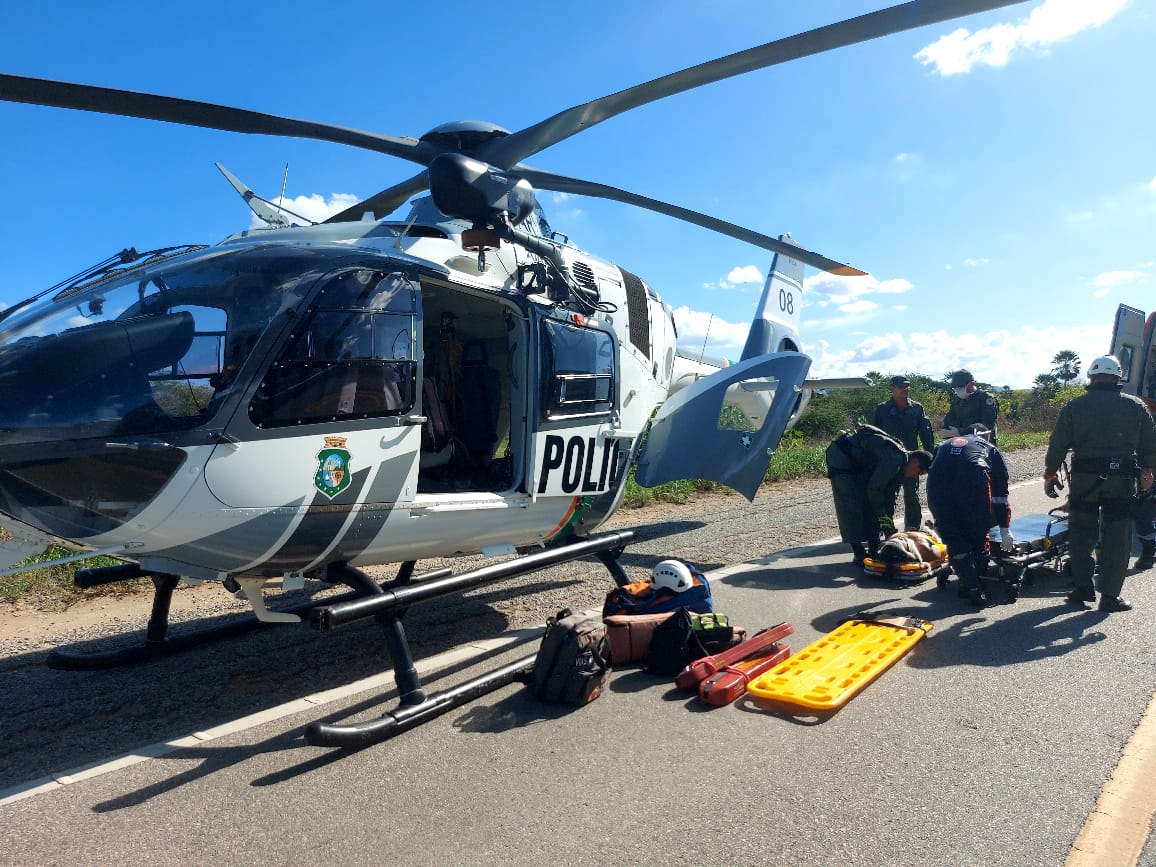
column 1020, row 410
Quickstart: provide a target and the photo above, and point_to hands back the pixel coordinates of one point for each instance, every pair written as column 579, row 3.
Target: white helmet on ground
column 672, row 575
column 1105, row 365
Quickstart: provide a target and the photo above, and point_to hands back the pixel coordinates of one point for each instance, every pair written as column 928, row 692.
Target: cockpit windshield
column 155, row 350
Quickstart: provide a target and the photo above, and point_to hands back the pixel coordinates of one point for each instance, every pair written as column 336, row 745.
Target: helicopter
column 303, row 400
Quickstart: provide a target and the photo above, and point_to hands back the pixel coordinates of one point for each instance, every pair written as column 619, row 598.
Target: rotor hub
column 464, row 136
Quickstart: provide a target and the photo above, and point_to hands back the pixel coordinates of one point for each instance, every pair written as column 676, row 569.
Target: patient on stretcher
column 912, row 555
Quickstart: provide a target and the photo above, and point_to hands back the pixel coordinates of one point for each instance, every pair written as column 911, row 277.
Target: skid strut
column 388, row 604
column 157, row 641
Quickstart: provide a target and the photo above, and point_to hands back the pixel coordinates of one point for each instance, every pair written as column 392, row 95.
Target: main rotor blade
column 129, row 103
column 384, row 202
column 549, row 181
column 507, row 151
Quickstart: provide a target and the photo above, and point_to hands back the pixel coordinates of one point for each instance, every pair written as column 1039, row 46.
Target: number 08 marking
column 787, row 301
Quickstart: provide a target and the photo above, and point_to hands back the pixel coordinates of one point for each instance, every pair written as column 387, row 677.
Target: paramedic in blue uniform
column 967, row 488
column 969, row 406
column 1113, row 443
column 866, row 469
column 904, row 419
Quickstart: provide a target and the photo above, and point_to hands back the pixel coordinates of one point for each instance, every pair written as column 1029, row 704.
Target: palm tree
column 1066, row 366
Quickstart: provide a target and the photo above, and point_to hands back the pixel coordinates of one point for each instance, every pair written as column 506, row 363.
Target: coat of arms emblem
column 332, row 476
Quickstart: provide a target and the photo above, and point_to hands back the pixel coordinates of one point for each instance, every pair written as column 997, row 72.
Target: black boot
column 860, row 552
column 1147, row 558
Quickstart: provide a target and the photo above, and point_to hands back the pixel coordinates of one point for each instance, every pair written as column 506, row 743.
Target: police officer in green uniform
column 904, row 419
column 866, row 469
column 970, row 405
column 1113, row 442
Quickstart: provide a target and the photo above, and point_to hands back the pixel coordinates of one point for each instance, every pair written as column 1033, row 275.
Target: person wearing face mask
column 969, row 406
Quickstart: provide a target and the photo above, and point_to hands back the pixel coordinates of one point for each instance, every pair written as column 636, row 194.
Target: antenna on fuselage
column 284, row 183
column 705, row 338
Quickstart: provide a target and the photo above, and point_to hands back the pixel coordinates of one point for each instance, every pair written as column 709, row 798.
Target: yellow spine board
column 828, row 672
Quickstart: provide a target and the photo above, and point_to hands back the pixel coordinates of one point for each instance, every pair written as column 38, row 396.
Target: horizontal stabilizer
column 837, row 382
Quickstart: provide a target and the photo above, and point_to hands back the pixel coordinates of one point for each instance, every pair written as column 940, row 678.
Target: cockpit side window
column 580, row 366
column 352, row 356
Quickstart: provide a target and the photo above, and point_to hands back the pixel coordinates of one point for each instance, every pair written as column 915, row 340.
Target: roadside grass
column 794, row 459
column 51, row 588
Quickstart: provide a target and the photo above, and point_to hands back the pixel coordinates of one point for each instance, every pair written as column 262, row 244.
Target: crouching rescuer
column 1112, row 439
column 866, row 469
column 967, row 489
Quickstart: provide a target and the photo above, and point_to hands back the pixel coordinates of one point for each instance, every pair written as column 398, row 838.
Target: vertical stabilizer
column 776, row 324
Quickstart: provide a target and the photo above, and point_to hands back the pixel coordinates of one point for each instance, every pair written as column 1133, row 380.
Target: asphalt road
column 988, row 744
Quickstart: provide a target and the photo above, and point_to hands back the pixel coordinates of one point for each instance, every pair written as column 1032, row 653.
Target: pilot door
column 575, row 453
column 1132, row 346
column 330, row 434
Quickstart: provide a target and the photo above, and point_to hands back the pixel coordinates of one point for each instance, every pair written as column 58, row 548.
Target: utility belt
column 1114, row 466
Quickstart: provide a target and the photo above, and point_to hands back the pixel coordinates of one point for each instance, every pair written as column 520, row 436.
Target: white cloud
column 827, row 290
column 1002, row 357
column 314, row 207
column 1115, row 278
column 745, row 274
column 1152, row 185
column 1012, row 358
column 1051, row 22
column 983, row 260
column 707, row 332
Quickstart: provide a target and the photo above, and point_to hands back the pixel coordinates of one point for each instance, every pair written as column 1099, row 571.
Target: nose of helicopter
column 79, row 490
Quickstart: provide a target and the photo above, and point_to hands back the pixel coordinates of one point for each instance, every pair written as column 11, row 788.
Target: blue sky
column 995, row 175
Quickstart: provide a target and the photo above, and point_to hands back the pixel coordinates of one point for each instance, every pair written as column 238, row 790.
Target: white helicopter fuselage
column 247, row 497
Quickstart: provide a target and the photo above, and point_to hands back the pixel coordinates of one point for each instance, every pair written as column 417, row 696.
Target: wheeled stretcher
column 1041, row 542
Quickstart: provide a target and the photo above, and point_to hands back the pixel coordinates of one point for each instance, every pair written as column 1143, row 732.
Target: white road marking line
column 56, row 781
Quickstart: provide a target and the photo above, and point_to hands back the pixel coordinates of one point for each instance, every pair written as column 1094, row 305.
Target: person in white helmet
column 1112, row 439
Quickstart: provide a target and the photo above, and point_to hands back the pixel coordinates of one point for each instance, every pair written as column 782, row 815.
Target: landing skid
column 388, row 605
column 157, row 641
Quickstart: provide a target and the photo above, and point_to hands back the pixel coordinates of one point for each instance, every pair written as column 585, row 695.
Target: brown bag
column 629, row 635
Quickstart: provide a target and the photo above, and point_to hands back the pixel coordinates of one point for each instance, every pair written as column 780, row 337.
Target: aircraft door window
column 580, row 365
column 1124, row 356
column 352, row 356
